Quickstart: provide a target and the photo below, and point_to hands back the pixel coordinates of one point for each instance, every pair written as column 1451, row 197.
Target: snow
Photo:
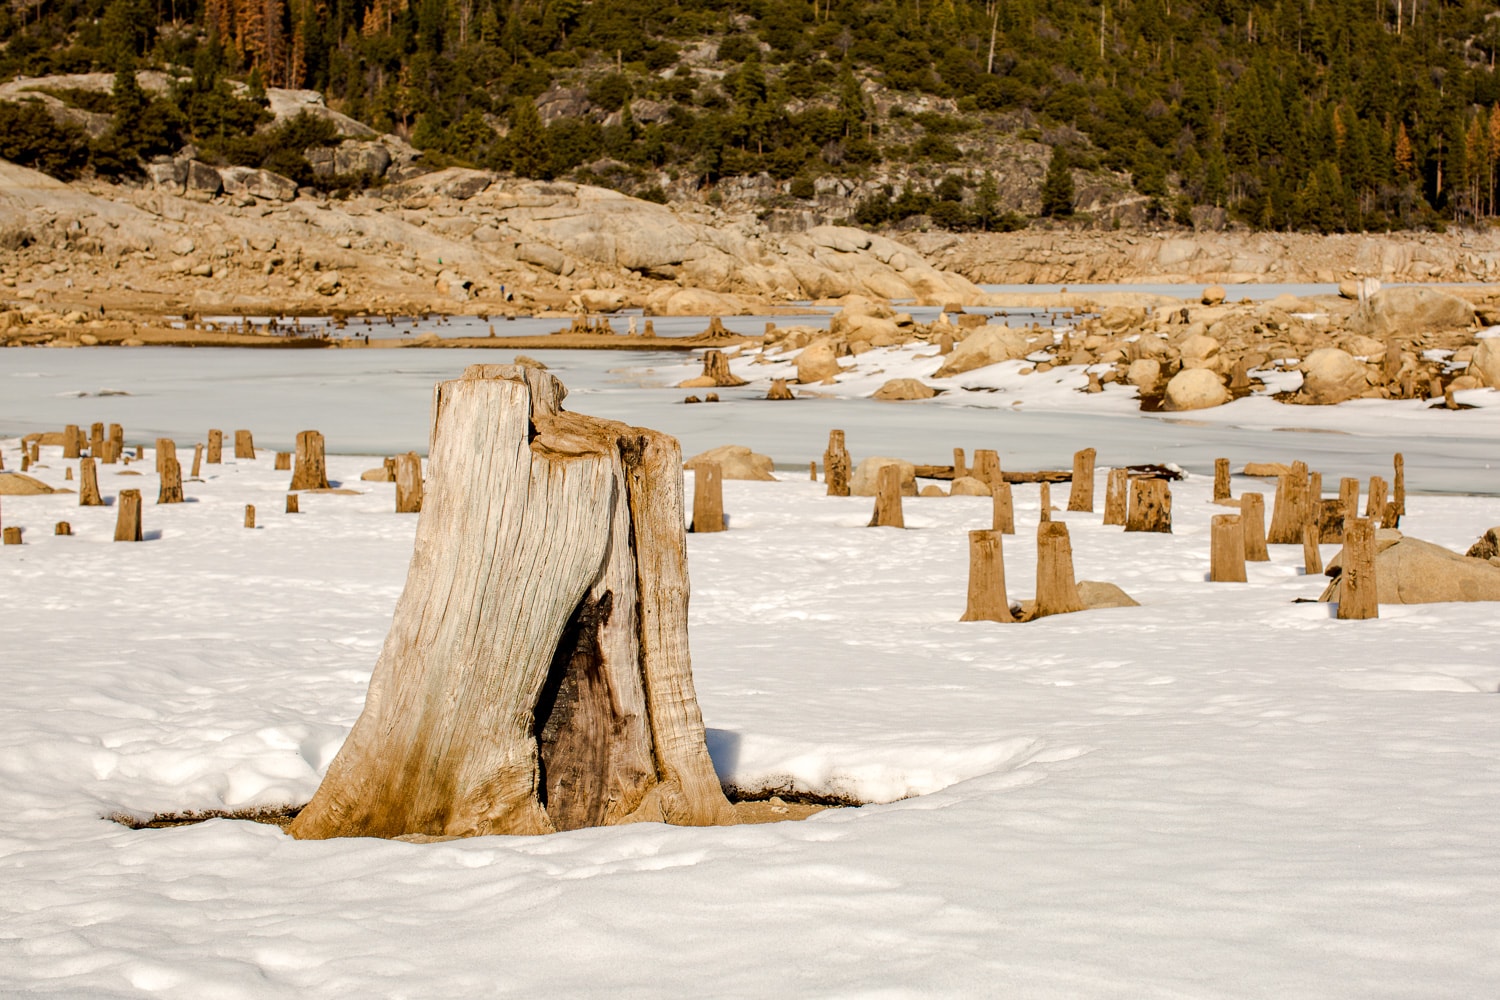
column 1219, row 793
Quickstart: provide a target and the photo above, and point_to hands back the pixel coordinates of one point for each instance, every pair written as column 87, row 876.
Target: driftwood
column 408, row 483
column 836, row 465
column 310, row 472
column 1357, row 582
column 1226, row 563
column 987, row 600
column 708, row 497
column 128, row 516
column 536, row 676
column 1161, row 472
column 888, row 499
column 88, row 484
column 1082, row 495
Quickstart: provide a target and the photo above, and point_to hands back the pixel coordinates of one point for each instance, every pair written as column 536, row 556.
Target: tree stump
column 1331, row 522
column 96, row 441
column 708, row 497
column 71, row 439
column 1081, row 497
column 1398, row 499
column 1003, row 514
column 716, row 367
column 1349, row 498
column 310, row 472
column 68, row 474
column 197, row 460
column 88, row 484
column 1357, row 583
column 836, row 465
column 960, row 469
column 1056, row 591
column 11, row 535
column 409, row 483
column 780, row 390
column 1312, row 556
column 170, row 471
column 536, row 676
column 1221, row 479
column 1150, row 506
column 812, row 471
column 987, row 600
column 888, row 499
column 1253, row 523
column 292, row 504
column 1289, row 510
column 62, row 528
column 116, row 445
column 987, row 467
column 128, row 516
column 1044, row 502
column 283, row 461
column 215, row 447
column 244, row 445
column 1375, row 503
column 249, row 515
column 1116, row 496
column 1226, row 560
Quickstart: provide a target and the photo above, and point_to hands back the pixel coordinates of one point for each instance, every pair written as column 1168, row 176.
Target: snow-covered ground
column 1220, row 793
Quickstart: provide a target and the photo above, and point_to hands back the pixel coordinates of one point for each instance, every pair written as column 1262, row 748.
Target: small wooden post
column 836, row 465
column 12, row 535
column 1082, row 495
column 987, row 600
column 708, row 497
column 283, row 461
column 70, row 441
column 1150, row 506
column 1349, row 498
column 25, row 459
column 1358, row 595
column 215, row 447
column 1116, row 496
column 88, row 484
column 1221, row 479
column 128, row 516
column 68, row 474
column 1003, row 516
column 408, row 483
column 249, row 515
column 1056, row 591
column 1398, row 500
column 1253, row 523
column 62, row 528
column 888, row 499
column 1312, row 556
column 1226, row 558
column 987, row 467
column 311, row 473
column 812, row 471
column 960, row 468
column 197, row 460
column 244, row 445
column 1375, row 503
column 1044, row 502
column 170, row 470
column 291, row 504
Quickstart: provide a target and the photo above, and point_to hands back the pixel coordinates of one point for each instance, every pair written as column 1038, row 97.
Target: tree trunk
column 716, row 368
column 1288, row 511
column 128, row 516
column 1082, row 495
column 1357, row 583
column 1221, row 480
column 409, row 483
column 293, row 505
column 1226, row 562
column 88, row 484
column 1056, row 591
column 215, row 447
column 708, row 497
column 1349, row 498
column 96, row 442
column 244, row 445
column 536, row 675
column 170, row 471
column 1150, row 506
column 1253, row 522
column 1003, row 517
column 987, row 600
column 888, row 499
column 836, row 465
column 310, row 472
column 283, row 461
column 1116, row 496
column 71, row 441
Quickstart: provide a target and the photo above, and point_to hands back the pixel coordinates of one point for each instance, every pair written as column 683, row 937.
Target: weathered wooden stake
column 1082, row 495
column 812, row 471
column 1358, row 594
column 96, row 441
column 197, row 459
column 244, row 445
column 987, row 600
column 71, row 439
column 116, row 446
column 1253, row 523
column 215, row 447
column 1289, row 511
column 1044, row 502
column 1312, row 555
column 409, row 483
column 1331, row 522
column 1398, row 500
column 170, row 470
column 249, row 515
column 1226, row 559
column 708, row 498
column 960, row 469
column 888, row 499
column 292, row 504
column 987, row 467
column 1375, row 503
column 1003, row 512
column 1116, row 496
column 836, row 465
column 88, row 484
column 1056, row 591
column 311, row 473
column 1150, row 506
column 68, row 474
column 128, row 516
column 283, row 461
column 1349, row 498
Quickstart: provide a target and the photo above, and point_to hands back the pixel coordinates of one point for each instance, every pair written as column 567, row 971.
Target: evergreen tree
column 1057, row 186
column 530, row 152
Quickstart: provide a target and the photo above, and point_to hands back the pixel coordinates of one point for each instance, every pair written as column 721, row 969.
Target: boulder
column 542, row 256
column 1195, row 389
column 380, row 475
column 1329, row 376
column 1121, row 318
column 867, row 476
column 1485, row 362
column 1213, row 295
column 327, row 282
column 817, row 362
column 905, row 388
column 1265, row 470
column 1411, row 571
column 1409, row 310
column 987, row 345
column 736, row 462
column 203, row 178
column 15, row 484
column 932, row 491
column 170, row 176
column 1144, row 373
column 1488, row 546
column 876, row 330
column 968, row 486
column 258, row 183
column 182, row 246
column 1098, row 594
column 1199, row 351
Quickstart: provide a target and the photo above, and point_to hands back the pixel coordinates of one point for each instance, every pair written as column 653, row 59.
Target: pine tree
column 1406, row 161
column 1057, row 186
column 530, row 152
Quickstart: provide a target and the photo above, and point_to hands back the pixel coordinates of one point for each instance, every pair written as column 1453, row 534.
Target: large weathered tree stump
column 244, row 445
column 169, row 470
column 310, row 472
column 1357, row 583
column 215, row 447
column 836, row 465
column 1150, row 506
column 1056, row 590
column 128, row 516
column 1226, row 556
column 409, row 483
column 72, row 441
column 1081, row 497
column 536, row 676
column 1116, row 496
column 708, row 497
column 1253, row 523
column 888, row 499
column 780, row 390
column 716, row 371
column 987, row 600
column 1289, row 509
column 88, row 484
column 1003, row 512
